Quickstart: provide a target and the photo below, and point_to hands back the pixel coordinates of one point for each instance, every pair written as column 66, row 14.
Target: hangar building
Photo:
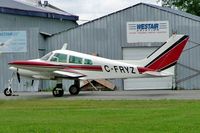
column 33, row 22
column 108, row 37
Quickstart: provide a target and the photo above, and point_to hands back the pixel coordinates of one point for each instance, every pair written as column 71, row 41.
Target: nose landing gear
column 8, row 91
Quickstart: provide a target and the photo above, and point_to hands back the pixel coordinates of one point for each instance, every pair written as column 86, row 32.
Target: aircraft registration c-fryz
column 66, row 64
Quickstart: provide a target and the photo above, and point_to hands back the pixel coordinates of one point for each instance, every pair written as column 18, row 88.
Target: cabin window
column 46, row 57
column 88, row 62
column 59, row 58
column 76, row 60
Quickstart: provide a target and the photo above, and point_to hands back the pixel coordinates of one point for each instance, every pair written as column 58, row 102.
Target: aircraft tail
column 167, row 55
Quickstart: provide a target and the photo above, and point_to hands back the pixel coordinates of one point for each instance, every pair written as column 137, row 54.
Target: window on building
column 88, row 62
column 76, row 60
column 59, row 58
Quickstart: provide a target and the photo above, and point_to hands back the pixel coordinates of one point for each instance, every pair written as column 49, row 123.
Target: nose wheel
column 8, row 92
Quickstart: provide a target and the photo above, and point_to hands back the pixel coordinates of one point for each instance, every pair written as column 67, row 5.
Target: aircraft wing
column 68, row 73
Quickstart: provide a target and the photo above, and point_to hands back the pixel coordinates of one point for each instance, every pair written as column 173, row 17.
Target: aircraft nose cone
column 12, row 62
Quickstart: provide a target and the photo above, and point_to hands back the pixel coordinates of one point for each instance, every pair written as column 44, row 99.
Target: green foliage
column 60, row 116
column 190, row 6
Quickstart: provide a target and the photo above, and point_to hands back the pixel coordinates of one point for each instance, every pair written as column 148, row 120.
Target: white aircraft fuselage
column 101, row 68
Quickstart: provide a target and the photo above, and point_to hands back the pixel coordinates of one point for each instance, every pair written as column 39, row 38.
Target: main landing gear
column 58, row 90
column 73, row 89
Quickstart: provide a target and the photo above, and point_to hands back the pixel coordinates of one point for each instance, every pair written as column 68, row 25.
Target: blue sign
column 13, row 41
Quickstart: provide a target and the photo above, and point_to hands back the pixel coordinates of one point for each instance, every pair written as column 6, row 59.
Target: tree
column 190, row 6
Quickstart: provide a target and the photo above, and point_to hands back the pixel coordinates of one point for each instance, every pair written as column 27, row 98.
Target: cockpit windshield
column 58, row 57
column 46, row 57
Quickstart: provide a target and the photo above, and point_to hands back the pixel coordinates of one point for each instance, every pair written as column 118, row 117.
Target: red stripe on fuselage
column 86, row 67
column 59, row 66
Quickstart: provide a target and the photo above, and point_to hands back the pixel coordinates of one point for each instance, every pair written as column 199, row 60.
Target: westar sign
column 147, row 31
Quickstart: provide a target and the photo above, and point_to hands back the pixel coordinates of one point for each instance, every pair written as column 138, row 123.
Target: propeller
column 18, row 76
column 32, row 82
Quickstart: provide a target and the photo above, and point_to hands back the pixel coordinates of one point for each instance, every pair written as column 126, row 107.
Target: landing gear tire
column 58, row 92
column 74, row 90
column 8, row 92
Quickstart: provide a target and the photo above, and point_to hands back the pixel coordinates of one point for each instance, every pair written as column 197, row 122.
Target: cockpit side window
column 46, row 57
column 57, row 57
column 88, row 62
column 76, row 60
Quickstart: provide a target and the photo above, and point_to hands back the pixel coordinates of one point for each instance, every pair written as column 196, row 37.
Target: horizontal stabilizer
column 157, row 74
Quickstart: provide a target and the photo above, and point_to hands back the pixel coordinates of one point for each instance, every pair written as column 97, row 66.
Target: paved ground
column 112, row 95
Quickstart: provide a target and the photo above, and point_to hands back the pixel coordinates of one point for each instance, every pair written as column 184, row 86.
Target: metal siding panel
column 110, row 45
column 109, row 38
column 193, row 51
column 77, row 38
column 118, row 53
column 190, row 57
column 151, row 14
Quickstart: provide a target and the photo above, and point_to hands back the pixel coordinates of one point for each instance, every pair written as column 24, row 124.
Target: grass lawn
column 59, row 116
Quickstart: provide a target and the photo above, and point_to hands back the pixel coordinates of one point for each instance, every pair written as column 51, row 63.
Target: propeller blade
column 32, row 82
column 18, row 77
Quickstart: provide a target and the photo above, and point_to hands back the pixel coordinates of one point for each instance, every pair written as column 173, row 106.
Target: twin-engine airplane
column 66, row 64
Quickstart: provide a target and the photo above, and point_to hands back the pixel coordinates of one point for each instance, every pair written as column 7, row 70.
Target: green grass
column 58, row 116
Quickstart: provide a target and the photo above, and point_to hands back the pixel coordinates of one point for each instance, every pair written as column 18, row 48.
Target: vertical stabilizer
column 167, row 55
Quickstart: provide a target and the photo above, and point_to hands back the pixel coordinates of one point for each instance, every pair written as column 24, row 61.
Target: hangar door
column 144, row 83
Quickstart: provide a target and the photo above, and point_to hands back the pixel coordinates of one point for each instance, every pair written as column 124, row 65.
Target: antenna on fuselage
column 64, row 47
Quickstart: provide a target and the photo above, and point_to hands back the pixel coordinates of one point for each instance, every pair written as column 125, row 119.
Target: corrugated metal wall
column 107, row 35
column 32, row 25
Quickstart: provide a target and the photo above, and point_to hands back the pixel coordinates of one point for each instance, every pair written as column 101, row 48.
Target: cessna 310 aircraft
column 66, row 64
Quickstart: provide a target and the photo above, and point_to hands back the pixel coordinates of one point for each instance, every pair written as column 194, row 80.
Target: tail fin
column 167, row 55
